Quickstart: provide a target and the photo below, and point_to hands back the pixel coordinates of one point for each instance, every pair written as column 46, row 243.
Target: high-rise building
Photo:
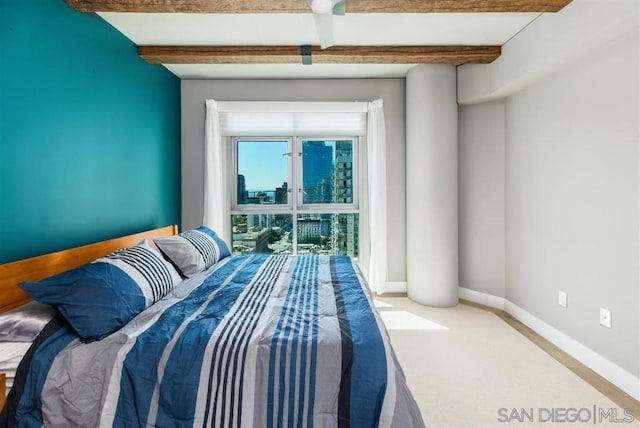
column 309, row 230
column 281, row 194
column 344, row 231
column 317, row 172
column 343, row 173
column 344, row 236
column 242, row 190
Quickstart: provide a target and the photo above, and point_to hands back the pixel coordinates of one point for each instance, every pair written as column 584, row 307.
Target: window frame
column 338, row 208
column 295, row 185
column 271, row 208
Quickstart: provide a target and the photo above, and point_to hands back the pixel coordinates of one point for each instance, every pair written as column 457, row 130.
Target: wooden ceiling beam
column 302, row 6
column 333, row 55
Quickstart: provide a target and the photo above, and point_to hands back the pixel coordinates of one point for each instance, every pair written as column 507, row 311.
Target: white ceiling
column 299, row 29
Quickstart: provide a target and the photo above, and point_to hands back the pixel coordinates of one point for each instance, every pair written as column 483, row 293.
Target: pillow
column 11, row 353
column 99, row 298
column 24, row 324
column 194, row 250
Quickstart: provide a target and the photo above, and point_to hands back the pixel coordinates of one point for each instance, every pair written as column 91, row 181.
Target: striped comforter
column 260, row 341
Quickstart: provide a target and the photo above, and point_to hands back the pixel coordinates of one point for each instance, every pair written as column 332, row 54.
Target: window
column 295, row 195
column 265, row 166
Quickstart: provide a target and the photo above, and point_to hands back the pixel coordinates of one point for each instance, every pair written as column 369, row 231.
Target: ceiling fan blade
column 324, row 27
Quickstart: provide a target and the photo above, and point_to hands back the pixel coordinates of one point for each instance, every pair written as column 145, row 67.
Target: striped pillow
column 99, row 298
column 153, row 275
column 193, row 251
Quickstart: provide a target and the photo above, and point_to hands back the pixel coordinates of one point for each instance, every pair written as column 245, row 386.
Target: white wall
column 481, row 198
column 392, row 91
column 550, row 43
column 572, row 201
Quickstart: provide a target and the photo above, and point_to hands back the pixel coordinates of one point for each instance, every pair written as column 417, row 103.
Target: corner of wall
column 549, row 43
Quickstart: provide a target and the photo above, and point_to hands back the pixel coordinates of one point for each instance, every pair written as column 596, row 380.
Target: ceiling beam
column 333, row 55
column 302, row 6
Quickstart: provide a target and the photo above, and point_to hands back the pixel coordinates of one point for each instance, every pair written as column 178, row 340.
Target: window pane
column 262, row 233
column 329, row 234
column 327, row 172
column 263, row 172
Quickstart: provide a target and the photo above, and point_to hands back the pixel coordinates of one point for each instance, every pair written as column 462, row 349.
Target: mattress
column 258, row 340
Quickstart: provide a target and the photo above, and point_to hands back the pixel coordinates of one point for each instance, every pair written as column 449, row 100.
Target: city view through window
column 311, row 212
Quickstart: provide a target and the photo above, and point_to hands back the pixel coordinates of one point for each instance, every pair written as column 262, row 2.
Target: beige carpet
column 464, row 364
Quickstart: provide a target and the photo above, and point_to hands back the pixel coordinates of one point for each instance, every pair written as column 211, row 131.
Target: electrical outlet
column 562, row 298
column 605, row 317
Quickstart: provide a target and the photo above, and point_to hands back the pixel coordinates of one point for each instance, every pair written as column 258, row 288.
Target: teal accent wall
column 89, row 132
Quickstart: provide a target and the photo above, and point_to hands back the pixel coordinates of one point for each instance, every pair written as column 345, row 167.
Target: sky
column 262, row 163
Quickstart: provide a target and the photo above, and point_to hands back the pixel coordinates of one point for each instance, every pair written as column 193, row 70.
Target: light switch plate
column 605, row 317
column 562, row 298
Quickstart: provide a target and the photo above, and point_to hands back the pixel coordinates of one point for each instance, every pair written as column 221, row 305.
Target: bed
column 251, row 341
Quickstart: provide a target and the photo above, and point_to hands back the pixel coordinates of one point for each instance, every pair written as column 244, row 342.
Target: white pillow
column 11, row 353
column 193, row 251
column 23, row 324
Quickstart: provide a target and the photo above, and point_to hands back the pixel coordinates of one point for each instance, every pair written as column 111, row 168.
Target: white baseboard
column 615, row 374
column 482, row 298
column 395, row 287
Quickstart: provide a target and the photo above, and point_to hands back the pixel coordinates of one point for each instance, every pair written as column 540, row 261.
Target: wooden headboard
column 37, row 268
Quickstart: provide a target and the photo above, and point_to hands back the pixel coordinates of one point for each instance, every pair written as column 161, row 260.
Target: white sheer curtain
column 216, row 201
column 377, row 195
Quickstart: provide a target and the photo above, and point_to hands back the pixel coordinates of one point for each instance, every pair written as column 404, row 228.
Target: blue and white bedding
column 255, row 341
